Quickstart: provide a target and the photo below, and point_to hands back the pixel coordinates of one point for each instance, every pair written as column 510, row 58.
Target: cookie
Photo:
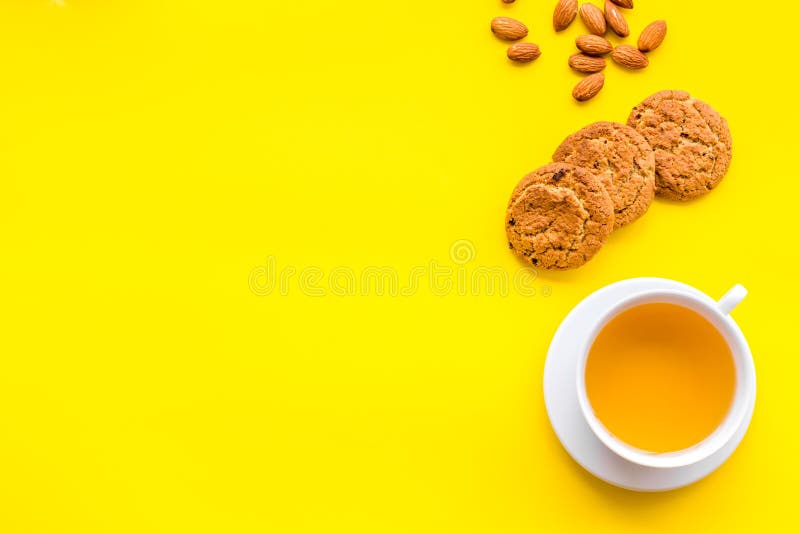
column 691, row 141
column 622, row 159
column 559, row 216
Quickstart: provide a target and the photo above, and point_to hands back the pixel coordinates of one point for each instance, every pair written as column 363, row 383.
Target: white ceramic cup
column 718, row 314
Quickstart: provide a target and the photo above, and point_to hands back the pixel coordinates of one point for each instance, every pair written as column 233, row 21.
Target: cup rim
column 745, row 380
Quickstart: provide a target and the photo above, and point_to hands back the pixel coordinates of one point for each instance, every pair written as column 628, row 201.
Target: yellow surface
column 155, row 154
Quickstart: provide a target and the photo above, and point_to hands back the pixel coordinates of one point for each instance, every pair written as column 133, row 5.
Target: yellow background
column 154, row 153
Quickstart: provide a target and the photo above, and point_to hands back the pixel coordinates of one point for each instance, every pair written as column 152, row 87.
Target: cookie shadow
column 554, row 276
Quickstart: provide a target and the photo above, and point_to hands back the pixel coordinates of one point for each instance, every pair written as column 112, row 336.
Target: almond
column 509, row 29
column 652, row 36
column 564, row 14
column 586, row 64
column 593, row 45
column 593, row 18
column 523, row 52
column 627, row 4
column 588, row 87
column 615, row 20
column 630, row 57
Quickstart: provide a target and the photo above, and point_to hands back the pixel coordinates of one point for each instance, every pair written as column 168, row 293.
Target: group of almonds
column 592, row 47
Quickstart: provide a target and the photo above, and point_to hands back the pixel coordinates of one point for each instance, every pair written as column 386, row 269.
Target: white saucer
column 561, row 400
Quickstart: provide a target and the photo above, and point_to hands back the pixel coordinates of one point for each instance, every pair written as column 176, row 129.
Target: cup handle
column 732, row 298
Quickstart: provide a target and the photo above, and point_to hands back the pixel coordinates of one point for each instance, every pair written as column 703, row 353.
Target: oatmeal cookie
column 622, row 159
column 559, row 216
column 692, row 143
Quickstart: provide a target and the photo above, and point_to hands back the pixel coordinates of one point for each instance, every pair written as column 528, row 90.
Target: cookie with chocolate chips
column 559, row 216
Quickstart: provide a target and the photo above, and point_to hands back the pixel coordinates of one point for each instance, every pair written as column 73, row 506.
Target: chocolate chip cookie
column 621, row 158
column 559, row 216
column 692, row 143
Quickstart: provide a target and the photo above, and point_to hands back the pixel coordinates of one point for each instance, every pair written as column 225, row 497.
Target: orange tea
column 660, row 377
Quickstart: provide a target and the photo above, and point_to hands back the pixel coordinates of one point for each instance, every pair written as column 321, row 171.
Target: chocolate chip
column 512, row 222
column 557, row 176
column 510, row 245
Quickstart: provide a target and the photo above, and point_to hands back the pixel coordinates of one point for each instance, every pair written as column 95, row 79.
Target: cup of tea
column 665, row 377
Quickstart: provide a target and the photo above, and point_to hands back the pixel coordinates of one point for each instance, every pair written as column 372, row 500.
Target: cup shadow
column 629, row 501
